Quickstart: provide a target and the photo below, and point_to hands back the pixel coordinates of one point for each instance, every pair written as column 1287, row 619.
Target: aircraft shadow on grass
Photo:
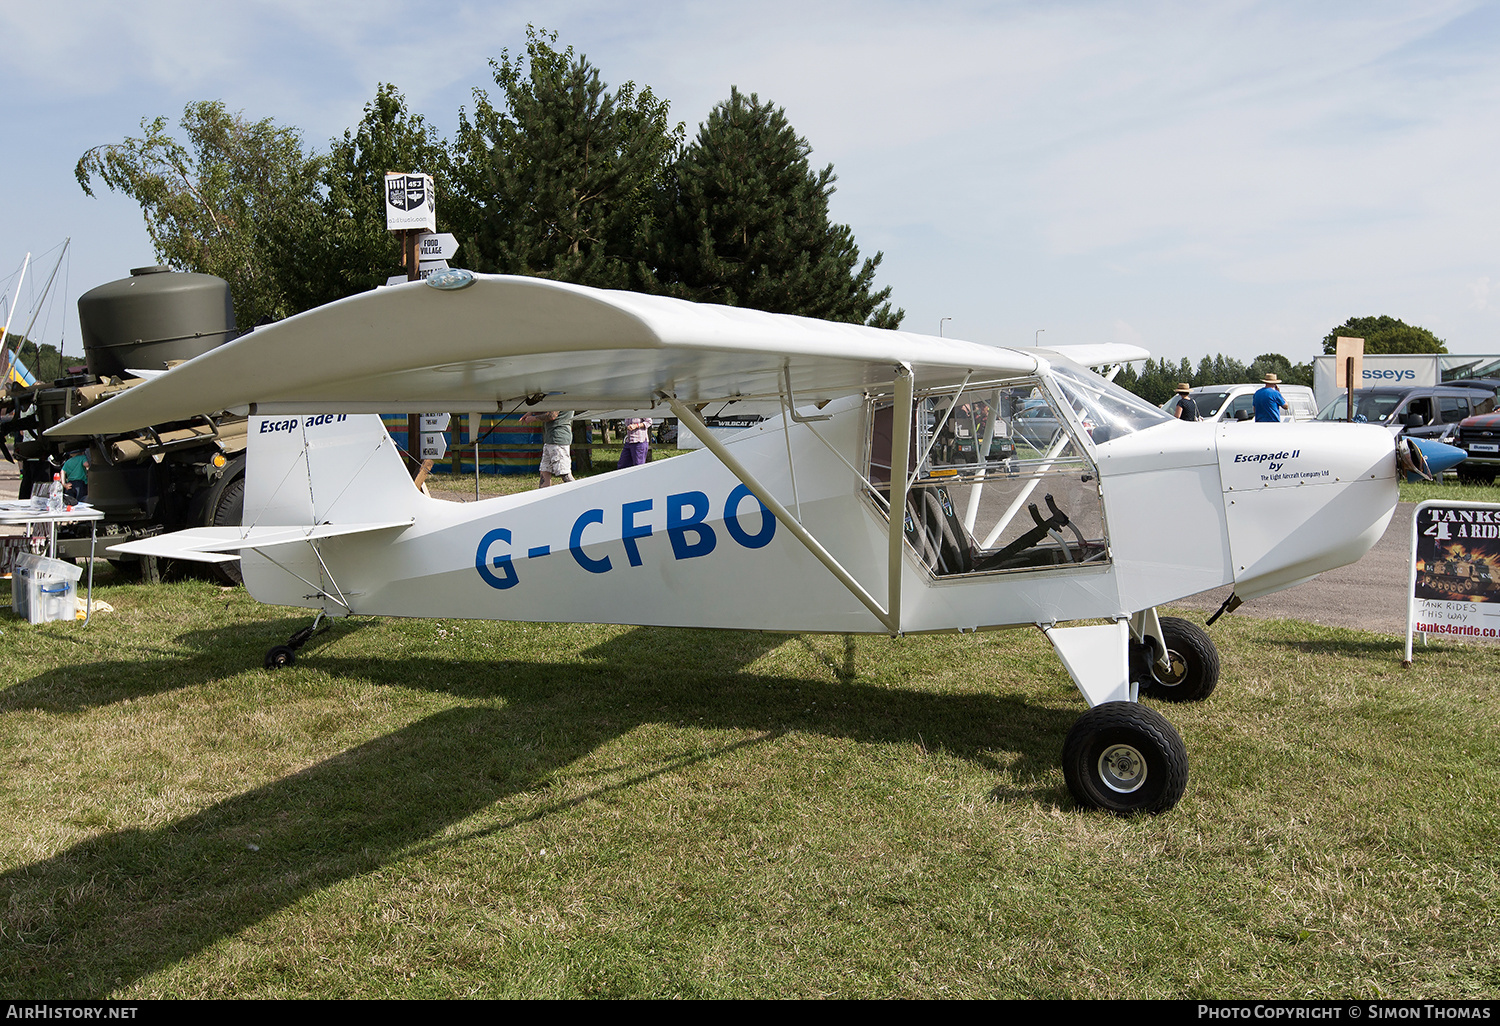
column 177, row 889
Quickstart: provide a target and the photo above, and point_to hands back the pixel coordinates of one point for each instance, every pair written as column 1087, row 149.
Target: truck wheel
column 1125, row 758
column 1194, row 661
column 1475, row 476
column 230, row 512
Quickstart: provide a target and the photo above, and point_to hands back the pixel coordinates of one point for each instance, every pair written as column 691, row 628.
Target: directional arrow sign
column 436, row 247
column 424, row 270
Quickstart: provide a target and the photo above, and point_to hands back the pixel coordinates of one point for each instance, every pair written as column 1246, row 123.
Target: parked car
column 1423, row 411
column 1492, row 384
column 1228, row 402
column 1479, row 437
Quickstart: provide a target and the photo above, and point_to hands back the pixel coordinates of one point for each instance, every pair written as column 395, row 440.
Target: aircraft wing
column 416, row 348
column 223, row 544
column 1096, row 355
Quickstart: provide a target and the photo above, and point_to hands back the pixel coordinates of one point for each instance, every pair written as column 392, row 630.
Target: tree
column 1157, row 380
column 210, row 203
column 746, row 224
column 1385, row 335
column 1283, row 368
column 345, row 248
column 560, row 178
column 43, row 361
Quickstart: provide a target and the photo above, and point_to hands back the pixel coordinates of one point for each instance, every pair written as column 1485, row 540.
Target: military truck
column 187, row 473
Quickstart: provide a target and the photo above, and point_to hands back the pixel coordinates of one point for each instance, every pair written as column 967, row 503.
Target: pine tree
column 560, row 179
column 746, row 224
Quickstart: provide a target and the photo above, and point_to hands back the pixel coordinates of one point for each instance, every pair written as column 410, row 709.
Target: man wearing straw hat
column 1187, row 406
column 1269, row 401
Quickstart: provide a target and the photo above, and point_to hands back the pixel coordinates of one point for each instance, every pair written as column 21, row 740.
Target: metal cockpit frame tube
column 890, row 613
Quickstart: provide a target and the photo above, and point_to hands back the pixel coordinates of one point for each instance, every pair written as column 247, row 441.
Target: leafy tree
column 559, row 178
column 342, row 247
column 1157, row 380
column 1275, row 363
column 746, row 224
column 44, row 361
column 1385, row 335
column 210, row 203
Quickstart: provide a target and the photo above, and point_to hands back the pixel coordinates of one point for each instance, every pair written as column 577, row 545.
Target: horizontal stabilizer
column 222, row 544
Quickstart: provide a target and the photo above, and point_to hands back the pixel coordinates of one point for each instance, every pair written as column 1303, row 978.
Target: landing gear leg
column 286, row 655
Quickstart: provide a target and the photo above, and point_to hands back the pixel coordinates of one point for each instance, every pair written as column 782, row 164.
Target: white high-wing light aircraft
column 1030, row 490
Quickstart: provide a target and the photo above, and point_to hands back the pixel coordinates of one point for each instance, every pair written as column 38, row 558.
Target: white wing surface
column 220, row 544
column 415, row 348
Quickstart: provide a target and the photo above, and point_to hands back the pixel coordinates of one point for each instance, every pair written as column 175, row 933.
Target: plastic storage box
column 43, row 589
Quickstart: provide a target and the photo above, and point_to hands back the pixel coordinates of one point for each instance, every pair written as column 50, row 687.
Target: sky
column 1193, row 178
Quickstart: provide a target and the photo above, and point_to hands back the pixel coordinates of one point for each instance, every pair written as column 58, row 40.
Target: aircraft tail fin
column 324, row 469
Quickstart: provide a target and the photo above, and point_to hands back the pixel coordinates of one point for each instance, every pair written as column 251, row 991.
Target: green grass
column 1448, row 488
column 454, row 808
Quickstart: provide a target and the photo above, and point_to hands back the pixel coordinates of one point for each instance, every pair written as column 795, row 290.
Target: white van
column 1224, row 402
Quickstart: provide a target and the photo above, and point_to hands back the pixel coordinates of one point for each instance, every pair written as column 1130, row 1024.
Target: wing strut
column 890, row 614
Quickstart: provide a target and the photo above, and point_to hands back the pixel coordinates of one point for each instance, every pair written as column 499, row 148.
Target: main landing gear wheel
column 1125, row 758
column 1193, row 658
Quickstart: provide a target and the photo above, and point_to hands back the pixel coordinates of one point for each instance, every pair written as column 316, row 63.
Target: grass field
column 453, row 808
column 1449, row 488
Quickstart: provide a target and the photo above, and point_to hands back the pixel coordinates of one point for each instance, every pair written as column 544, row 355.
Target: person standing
column 1269, row 402
column 637, row 449
column 557, row 435
column 1187, row 406
column 75, row 475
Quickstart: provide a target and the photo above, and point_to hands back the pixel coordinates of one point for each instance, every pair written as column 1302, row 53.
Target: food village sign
column 411, row 211
column 1455, row 571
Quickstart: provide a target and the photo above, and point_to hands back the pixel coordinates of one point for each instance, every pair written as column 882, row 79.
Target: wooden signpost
column 1348, row 364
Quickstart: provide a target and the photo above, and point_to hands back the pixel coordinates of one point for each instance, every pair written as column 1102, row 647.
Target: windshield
column 1368, row 408
column 1209, row 403
column 1106, row 410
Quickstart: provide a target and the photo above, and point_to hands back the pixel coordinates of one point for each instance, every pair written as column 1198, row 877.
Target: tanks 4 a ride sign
column 409, row 202
column 1455, row 573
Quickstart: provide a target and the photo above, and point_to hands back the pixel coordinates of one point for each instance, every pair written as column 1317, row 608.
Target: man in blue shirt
column 1269, row 401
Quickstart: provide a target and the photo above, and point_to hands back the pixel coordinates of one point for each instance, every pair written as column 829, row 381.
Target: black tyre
column 281, row 655
column 1475, row 476
column 1125, row 758
column 229, row 511
column 1194, row 661
column 128, row 569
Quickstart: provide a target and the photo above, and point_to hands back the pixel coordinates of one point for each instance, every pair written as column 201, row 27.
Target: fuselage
column 1152, row 516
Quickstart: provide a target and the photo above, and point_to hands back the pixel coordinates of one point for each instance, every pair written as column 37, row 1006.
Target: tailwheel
column 1125, row 758
column 1192, row 659
column 286, row 655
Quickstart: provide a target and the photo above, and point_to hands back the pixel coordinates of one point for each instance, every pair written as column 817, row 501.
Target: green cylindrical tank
column 154, row 316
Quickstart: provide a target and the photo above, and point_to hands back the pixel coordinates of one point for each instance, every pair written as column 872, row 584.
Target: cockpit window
column 1106, row 410
column 1001, row 482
